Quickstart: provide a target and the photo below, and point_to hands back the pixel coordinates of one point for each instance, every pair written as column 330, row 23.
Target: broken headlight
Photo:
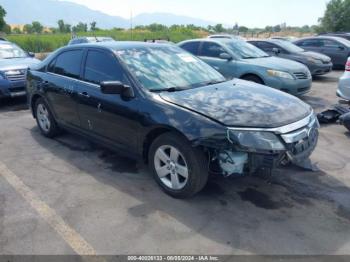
column 255, row 140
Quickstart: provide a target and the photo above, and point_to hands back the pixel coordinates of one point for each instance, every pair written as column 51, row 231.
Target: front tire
column 179, row 169
column 45, row 120
column 253, row 78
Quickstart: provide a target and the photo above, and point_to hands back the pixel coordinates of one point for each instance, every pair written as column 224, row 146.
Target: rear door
column 210, row 53
column 107, row 116
column 337, row 51
column 314, row 45
column 63, row 74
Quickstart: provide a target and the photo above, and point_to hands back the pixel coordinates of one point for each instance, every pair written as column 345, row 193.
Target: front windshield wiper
column 170, row 89
column 13, row 57
column 213, row 82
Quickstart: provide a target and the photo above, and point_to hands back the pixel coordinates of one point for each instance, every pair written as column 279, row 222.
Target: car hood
column 17, row 63
column 277, row 63
column 239, row 103
column 317, row 56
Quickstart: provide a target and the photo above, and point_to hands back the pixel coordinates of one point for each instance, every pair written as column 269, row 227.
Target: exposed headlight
column 2, row 76
column 279, row 74
column 255, row 140
column 314, row 61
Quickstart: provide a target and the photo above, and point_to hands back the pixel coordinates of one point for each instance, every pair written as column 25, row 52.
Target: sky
column 251, row 13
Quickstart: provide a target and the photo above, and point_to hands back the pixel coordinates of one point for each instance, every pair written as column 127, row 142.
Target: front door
column 210, row 53
column 107, row 116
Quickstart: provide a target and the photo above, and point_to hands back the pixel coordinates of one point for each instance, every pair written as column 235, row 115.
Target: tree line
column 336, row 18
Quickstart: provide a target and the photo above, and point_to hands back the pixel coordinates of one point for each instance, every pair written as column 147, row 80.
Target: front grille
column 301, row 75
column 16, row 75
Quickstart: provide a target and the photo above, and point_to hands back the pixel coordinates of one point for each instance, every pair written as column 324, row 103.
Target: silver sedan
column 344, row 83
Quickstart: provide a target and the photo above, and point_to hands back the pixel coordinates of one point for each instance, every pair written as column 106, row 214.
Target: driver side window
column 212, row 50
column 102, row 66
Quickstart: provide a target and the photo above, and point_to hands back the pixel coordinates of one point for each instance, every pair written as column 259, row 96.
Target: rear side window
column 191, row 47
column 267, row 47
column 102, row 66
column 68, row 64
column 311, row 43
column 212, row 50
column 331, row 44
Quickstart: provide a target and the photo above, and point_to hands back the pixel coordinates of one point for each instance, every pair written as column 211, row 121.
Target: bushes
column 39, row 43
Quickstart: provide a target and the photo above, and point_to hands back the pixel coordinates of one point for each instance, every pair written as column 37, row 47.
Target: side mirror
column 341, row 47
column 276, row 50
column 226, row 56
column 116, row 88
column 31, row 54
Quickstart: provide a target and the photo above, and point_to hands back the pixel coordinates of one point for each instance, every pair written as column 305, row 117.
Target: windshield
column 290, row 47
column 166, row 67
column 245, row 50
column 8, row 51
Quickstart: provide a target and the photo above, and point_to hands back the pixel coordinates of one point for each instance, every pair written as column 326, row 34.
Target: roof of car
column 214, row 40
column 119, row 45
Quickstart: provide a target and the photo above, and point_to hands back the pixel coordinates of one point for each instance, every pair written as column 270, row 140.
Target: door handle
column 84, row 94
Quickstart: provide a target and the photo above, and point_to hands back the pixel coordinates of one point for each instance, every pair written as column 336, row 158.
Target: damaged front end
column 247, row 151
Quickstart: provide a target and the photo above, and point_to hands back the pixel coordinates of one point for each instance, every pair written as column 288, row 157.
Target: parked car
column 159, row 103
column 14, row 63
column 84, row 40
column 344, row 83
column 285, row 38
column 225, row 36
column 345, row 35
column 239, row 59
column 317, row 63
column 338, row 49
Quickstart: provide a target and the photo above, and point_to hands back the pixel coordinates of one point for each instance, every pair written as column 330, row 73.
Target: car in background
column 337, row 48
column 317, row 63
column 284, row 38
column 89, row 39
column 344, row 35
column 239, row 59
column 344, row 83
column 14, row 63
column 225, row 36
column 158, row 103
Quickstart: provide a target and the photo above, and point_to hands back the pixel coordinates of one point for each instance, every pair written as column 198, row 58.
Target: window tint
column 191, row 47
column 212, row 50
column 266, row 46
column 51, row 66
column 330, row 44
column 68, row 63
column 101, row 66
column 311, row 43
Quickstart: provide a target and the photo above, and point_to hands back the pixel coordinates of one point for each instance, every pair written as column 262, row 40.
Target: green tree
column 63, row 27
column 81, row 27
column 277, row 28
column 219, row 28
column 243, row 29
column 37, row 27
column 336, row 17
column 28, row 28
column 93, row 26
column 2, row 18
column 16, row 30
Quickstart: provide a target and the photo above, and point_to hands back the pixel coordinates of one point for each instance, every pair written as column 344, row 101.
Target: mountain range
column 48, row 12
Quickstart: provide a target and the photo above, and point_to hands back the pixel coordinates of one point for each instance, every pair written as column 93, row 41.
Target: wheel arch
column 153, row 134
column 254, row 75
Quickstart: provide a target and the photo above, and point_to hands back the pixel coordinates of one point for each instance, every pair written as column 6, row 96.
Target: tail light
column 347, row 66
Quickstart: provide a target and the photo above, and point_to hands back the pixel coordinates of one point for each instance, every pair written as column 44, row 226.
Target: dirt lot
column 66, row 195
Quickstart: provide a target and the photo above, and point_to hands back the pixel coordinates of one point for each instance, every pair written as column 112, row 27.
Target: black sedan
column 317, row 63
column 337, row 48
column 160, row 103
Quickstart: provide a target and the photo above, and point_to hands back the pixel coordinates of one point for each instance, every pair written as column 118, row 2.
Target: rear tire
column 253, row 78
column 45, row 120
column 179, row 169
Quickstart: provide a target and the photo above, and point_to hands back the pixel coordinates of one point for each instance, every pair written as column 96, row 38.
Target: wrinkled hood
column 277, row 63
column 318, row 56
column 239, row 103
column 17, row 63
